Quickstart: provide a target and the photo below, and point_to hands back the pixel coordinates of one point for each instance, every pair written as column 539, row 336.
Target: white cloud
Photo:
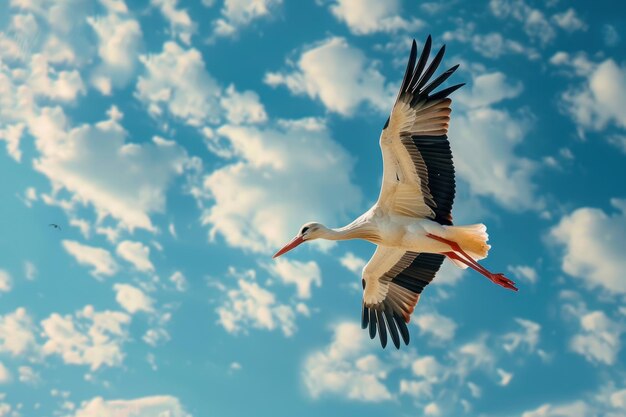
column 527, row 339
column 301, row 274
column 28, row 375
column 132, row 299
column 535, row 23
column 505, row 377
column 490, row 45
column 94, row 163
column 611, row 35
column 487, row 89
column 239, row 13
column 353, row 263
column 176, row 80
column 45, row 81
column 99, row 259
column 5, row 375
column 484, row 140
column 574, row 409
column 243, row 107
column 30, row 270
column 569, row 21
column 345, row 368
column 592, row 242
column 119, row 40
column 87, row 338
column 428, row 368
column 525, row 272
column 440, row 328
column 606, row 400
column 365, row 17
column 599, row 339
column 156, row 336
column 12, row 135
column 181, row 24
column 449, row 274
column 432, row 409
column 5, row 281
column 17, row 333
column 179, row 280
column 163, row 406
column 341, row 76
column 597, row 102
column 273, row 186
column 136, row 253
column 249, row 305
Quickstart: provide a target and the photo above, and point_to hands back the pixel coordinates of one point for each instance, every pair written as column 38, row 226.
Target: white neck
column 358, row 229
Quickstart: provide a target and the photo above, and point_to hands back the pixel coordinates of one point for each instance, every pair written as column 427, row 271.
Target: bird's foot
column 503, row 281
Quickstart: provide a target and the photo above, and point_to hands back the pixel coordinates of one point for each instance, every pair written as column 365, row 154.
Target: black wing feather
column 434, row 150
column 389, row 314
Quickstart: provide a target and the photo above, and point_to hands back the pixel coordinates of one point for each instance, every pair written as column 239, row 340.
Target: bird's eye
column 304, row 229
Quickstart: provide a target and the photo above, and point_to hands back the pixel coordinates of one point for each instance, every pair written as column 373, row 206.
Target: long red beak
column 289, row 246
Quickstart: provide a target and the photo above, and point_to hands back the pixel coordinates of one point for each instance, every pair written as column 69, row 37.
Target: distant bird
column 411, row 222
column 55, row 226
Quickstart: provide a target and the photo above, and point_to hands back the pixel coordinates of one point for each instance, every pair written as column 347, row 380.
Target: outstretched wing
column 418, row 174
column 393, row 280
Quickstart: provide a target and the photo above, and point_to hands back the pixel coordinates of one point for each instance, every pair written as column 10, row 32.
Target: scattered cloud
column 5, row 375
column 365, row 17
column 525, row 340
column 353, row 263
column 17, row 333
column 490, row 45
column 99, row 259
column 132, row 299
column 535, row 23
column 484, row 139
column 599, row 338
column 163, row 405
column 87, row 338
column 592, row 242
column 243, row 108
column 30, row 270
column 176, row 81
column 28, row 375
column 569, row 21
column 301, row 274
column 525, row 272
column 119, row 42
column 596, row 104
column 247, row 209
column 237, row 14
column 611, row 35
column 98, row 166
column 181, row 25
column 6, row 282
column 249, row 305
column 137, row 254
column 179, row 280
column 347, row 368
column 339, row 75
column 573, row 409
column 435, row 325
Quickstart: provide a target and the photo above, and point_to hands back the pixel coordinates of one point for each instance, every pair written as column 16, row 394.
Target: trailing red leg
column 459, row 254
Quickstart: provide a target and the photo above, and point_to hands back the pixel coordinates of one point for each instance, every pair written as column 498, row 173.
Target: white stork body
column 411, row 222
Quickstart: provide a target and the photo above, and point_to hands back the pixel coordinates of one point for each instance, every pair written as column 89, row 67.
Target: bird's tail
column 472, row 239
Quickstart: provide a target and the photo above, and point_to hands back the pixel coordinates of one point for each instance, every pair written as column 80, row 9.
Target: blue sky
column 179, row 144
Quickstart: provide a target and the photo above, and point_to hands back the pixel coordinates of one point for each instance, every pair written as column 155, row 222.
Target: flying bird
column 411, row 223
column 55, row 226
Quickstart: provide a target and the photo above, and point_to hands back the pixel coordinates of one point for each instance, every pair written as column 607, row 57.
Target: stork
column 411, row 223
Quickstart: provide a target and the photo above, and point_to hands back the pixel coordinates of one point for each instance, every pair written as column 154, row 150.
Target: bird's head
column 308, row 231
